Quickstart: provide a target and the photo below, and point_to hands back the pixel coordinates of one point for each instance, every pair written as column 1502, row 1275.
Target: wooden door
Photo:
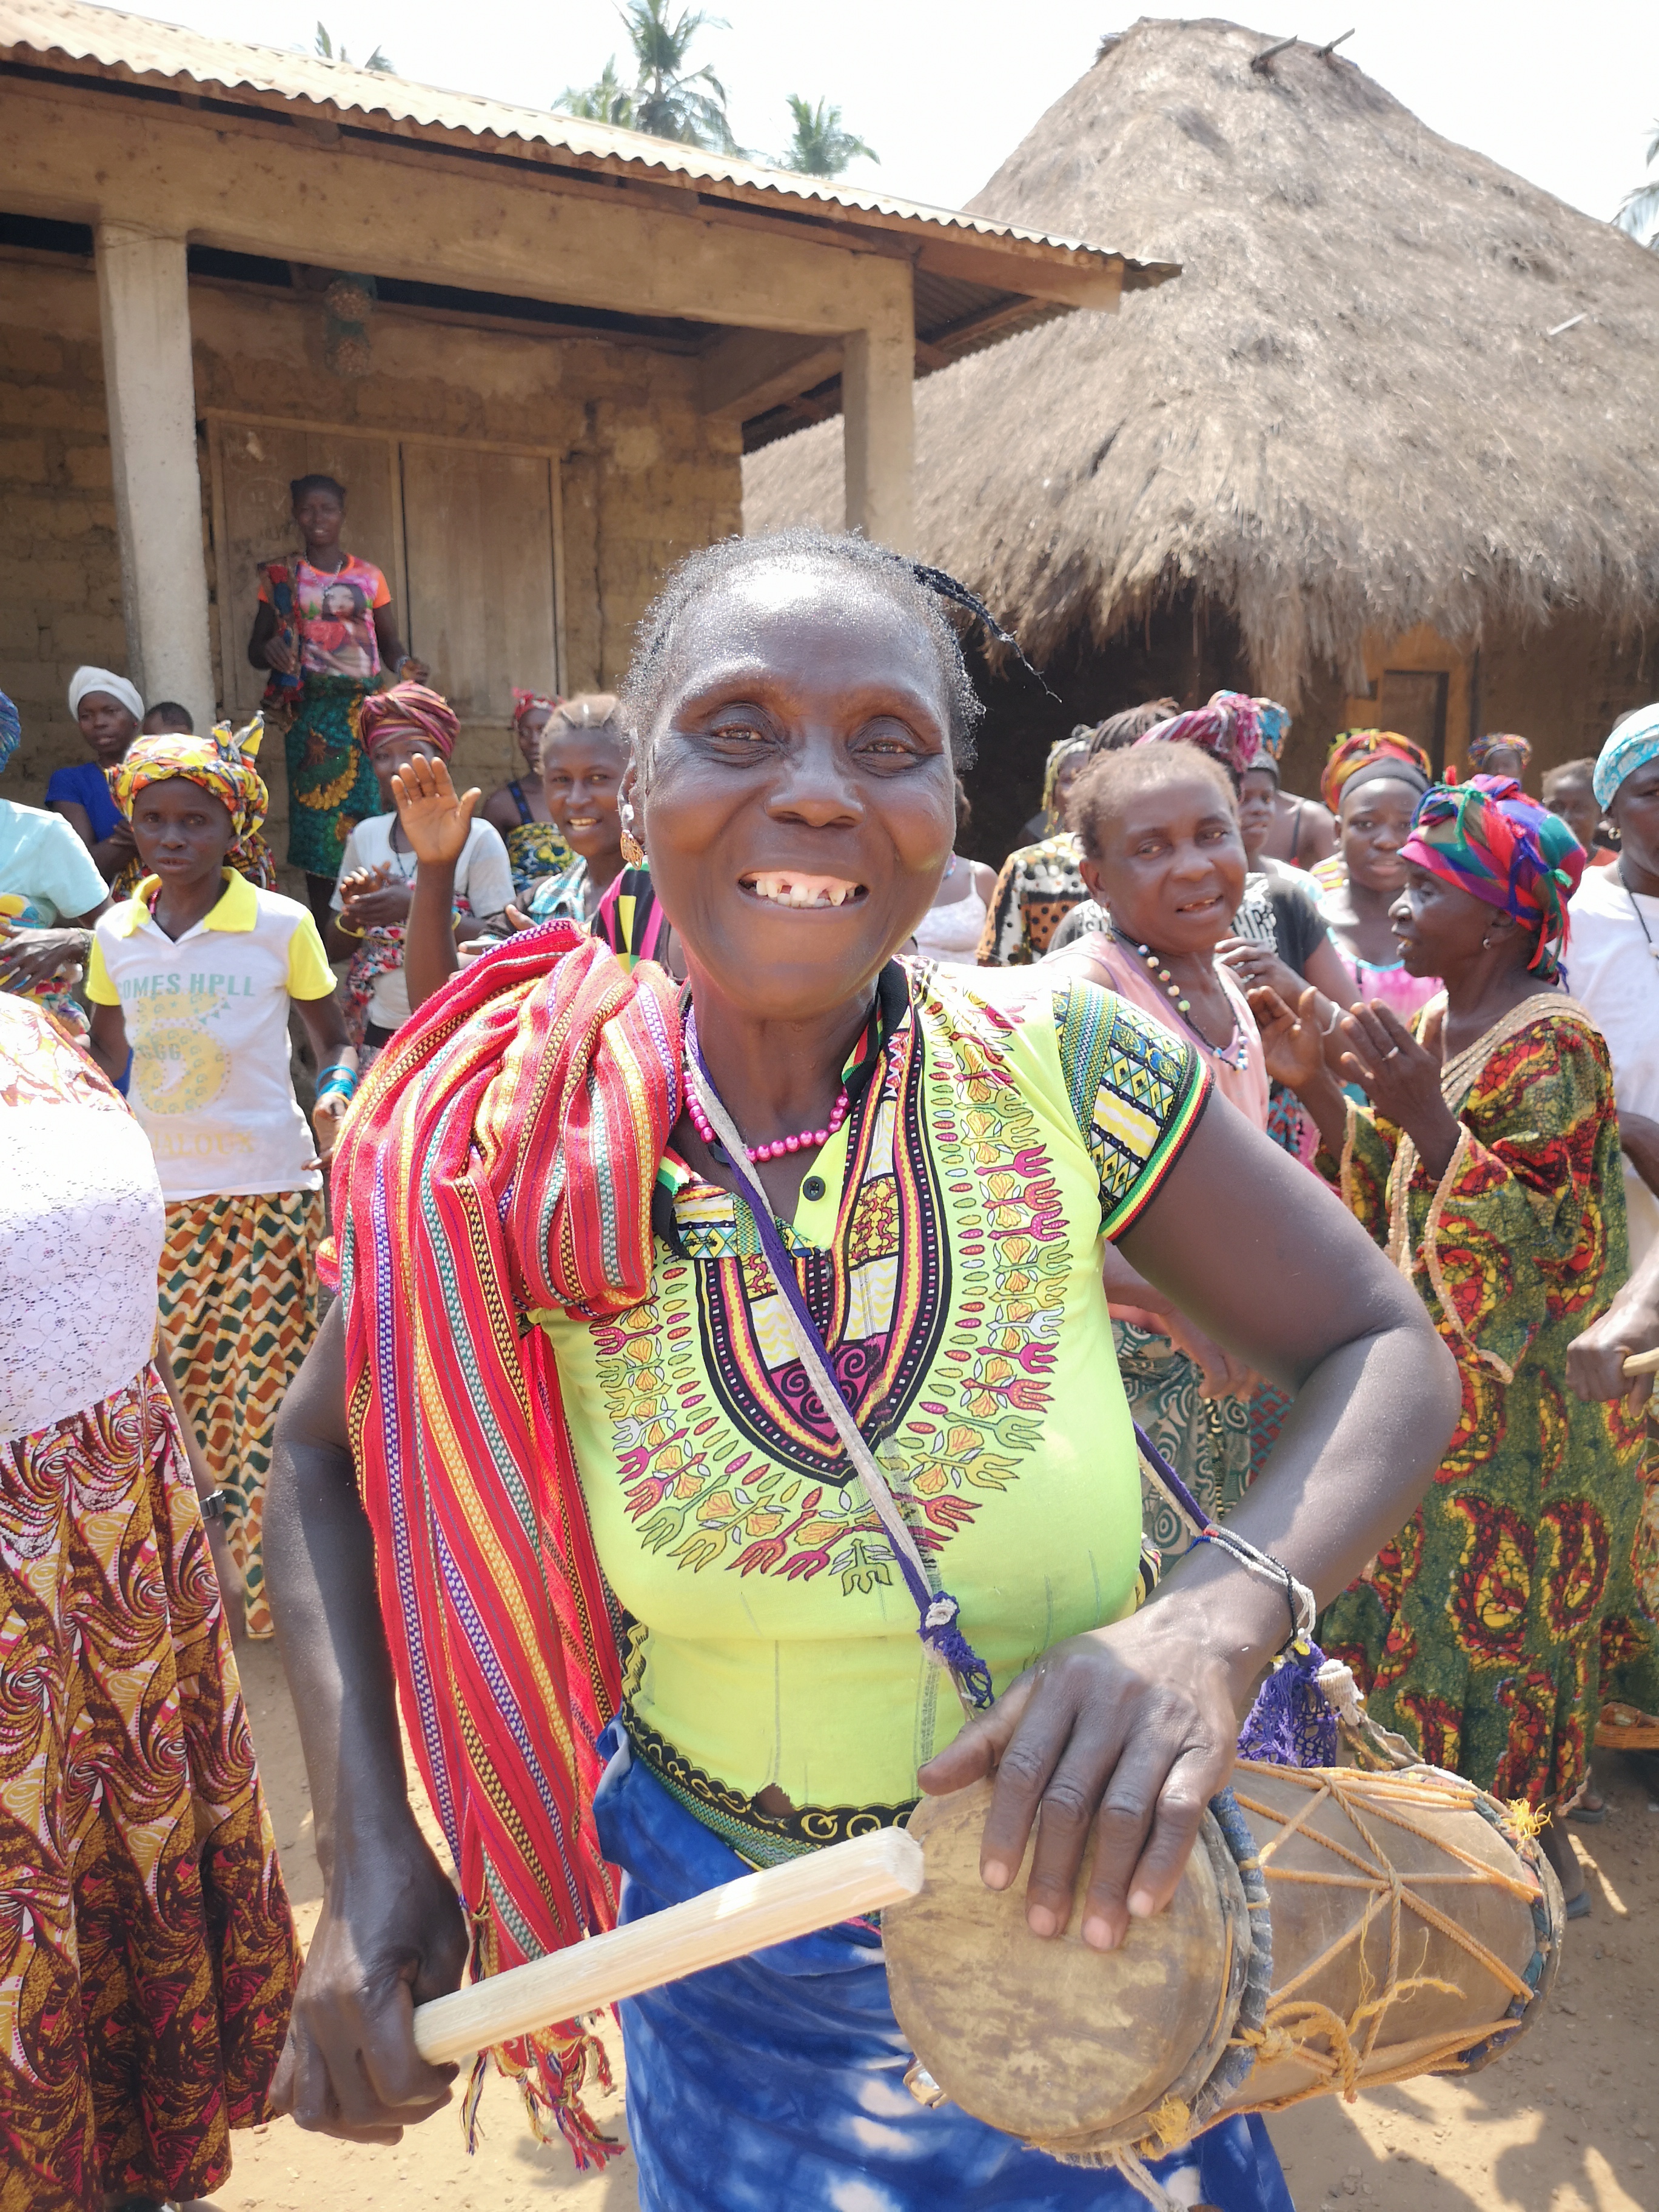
column 1413, row 701
column 253, row 464
column 479, row 532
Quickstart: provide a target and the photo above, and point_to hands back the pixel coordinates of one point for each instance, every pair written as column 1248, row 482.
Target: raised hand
column 1258, row 967
column 1401, row 1079
column 1291, row 1044
column 434, row 818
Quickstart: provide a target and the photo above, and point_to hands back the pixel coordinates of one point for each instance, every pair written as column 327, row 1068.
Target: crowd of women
column 1315, row 1141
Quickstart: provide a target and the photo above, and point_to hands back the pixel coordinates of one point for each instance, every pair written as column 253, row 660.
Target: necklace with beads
column 806, row 1140
column 1238, row 1056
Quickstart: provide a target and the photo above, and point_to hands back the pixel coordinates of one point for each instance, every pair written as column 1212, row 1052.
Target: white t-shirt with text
column 207, row 1018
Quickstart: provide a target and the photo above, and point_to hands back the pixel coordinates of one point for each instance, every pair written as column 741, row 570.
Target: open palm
column 434, row 819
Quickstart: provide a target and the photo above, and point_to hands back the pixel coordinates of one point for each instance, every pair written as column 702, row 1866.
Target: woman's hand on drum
column 1124, row 1733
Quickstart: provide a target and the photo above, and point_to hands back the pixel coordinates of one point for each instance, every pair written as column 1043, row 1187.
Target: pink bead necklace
column 808, row 1140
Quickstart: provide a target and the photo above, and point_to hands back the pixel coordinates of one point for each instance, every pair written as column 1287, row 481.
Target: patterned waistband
column 762, row 1838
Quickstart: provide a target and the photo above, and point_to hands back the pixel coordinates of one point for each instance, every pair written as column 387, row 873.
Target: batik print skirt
column 147, row 1957
column 239, row 1311
column 1207, row 1441
column 330, row 785
column 780, row 2080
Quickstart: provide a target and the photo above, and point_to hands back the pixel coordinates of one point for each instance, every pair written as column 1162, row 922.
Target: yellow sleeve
column 100, row 989
column 309, row 976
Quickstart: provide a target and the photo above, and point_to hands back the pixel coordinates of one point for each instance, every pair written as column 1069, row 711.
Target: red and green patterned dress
column 1492, row 1629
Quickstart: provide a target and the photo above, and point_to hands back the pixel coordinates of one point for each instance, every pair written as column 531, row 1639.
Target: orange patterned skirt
column 239, row 1311
column 147, row 1959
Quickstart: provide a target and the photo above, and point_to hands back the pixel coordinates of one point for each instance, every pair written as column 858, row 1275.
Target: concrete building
column 534, row 348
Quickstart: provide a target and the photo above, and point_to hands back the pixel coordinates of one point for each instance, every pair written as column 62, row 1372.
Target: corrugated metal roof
column 151, row 49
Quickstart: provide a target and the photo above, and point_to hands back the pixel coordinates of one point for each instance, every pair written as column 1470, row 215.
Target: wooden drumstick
column 795, row 1898
column 1643, row 1362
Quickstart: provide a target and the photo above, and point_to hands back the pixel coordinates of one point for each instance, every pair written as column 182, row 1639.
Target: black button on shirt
column 814, row 1188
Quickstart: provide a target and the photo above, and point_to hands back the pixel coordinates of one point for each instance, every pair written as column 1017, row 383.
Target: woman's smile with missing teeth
column 791, row 887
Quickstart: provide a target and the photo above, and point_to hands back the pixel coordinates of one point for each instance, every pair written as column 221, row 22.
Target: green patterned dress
column 1492, row 1629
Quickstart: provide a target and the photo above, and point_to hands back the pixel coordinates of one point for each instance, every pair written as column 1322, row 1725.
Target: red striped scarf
column 501, row 1159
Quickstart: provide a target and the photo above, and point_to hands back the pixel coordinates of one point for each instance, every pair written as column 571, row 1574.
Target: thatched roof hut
column 1397, row 393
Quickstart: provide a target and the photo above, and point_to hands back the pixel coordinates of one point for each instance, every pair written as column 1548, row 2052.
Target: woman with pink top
column 1372, row 781
column 1165, row 863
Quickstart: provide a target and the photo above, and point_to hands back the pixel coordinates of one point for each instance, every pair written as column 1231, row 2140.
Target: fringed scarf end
column 553, row 2074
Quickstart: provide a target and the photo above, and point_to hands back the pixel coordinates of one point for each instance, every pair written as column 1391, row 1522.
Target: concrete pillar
column 144, row 308
column 877, row 425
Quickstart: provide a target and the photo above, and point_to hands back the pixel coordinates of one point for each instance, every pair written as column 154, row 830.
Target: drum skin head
column 1044, row 2037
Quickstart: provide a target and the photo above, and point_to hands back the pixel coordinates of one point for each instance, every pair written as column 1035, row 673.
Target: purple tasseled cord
column 1292, row 1722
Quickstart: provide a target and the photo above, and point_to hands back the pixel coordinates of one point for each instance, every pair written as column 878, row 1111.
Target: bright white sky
column 1565, row 93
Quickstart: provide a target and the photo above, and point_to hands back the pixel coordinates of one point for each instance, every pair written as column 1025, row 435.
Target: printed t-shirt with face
column 207, row 1018
column 949, row 1241
column 337, row 617
column 483, row 878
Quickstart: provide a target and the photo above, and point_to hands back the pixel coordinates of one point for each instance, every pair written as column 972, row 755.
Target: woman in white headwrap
column 109, row 710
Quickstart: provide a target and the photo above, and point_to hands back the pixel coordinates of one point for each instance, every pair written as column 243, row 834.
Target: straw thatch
column 1353, row 412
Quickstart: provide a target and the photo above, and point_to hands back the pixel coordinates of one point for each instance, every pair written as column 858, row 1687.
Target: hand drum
column 1407, row 1923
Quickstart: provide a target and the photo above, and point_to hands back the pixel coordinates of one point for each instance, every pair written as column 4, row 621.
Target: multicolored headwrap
column 1240, row 731
column 223, row 765
column 409, row 710
column 1499, row 741
column 1370, row 749
column 526, row 702
column 11, row 730
column 1634, row 742
column 1489, row 839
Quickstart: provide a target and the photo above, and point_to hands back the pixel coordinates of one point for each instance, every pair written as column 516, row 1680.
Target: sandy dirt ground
column 1567, row 2123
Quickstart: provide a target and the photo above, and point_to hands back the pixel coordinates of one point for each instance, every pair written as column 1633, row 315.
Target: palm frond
column 1638, row 218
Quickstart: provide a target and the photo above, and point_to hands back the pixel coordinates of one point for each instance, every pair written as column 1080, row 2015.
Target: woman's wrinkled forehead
column 804, row 626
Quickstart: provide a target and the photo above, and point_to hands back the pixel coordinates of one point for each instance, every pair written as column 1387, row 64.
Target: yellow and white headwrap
column 222, row 764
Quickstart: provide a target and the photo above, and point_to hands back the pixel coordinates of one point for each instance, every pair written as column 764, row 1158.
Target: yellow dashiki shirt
column 949, row 1242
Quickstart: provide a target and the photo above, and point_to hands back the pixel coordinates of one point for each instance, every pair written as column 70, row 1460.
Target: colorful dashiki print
column 148, row 1960
column 1492, row 1629
column 1036, row 888
column 949, row 1243
column 780, row 2080
column 239, row 1307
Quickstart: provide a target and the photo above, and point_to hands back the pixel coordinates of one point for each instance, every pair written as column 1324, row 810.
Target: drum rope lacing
column 1289, row 2024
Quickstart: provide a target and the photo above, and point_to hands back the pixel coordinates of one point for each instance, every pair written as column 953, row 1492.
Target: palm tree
column 1639, row 215
column 820, row 148
column 331, row 52
column 607, row 100
column 668, row 100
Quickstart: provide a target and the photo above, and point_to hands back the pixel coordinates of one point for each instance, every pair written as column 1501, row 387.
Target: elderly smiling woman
column 638, row 1606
